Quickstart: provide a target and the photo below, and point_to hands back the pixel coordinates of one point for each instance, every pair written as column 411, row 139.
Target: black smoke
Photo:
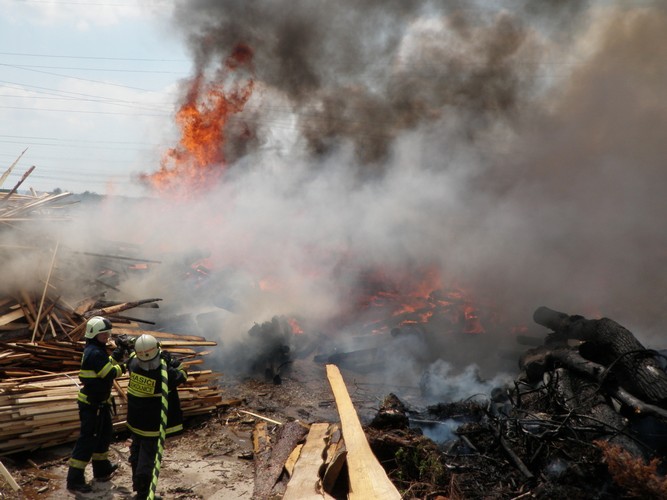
column 516, row 146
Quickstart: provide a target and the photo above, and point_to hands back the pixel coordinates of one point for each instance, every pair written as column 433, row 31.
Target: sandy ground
column 208, row 461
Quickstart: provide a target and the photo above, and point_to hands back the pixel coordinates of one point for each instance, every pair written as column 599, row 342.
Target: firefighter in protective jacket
column 98, row 370
column 152, row 407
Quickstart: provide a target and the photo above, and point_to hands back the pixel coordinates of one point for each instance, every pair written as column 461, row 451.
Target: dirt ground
column 212, row 458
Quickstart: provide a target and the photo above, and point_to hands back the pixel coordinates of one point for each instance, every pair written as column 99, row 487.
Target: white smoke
column 521, row 154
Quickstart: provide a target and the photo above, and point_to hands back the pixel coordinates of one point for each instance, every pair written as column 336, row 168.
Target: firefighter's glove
column 123, row 368
column 166, row 356
column 125, row 342
column 118, row 353
column 170, row 360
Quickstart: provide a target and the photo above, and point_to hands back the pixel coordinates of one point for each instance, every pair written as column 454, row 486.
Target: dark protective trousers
column 142, row 459
column 94, row 438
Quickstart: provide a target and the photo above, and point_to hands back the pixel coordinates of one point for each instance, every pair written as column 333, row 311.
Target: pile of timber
column 42, row 315
column 41, row 333
column 17, row 208
column 40, row 353
column 41, row 411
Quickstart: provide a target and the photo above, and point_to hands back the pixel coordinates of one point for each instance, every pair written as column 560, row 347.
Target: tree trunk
column 604, row 341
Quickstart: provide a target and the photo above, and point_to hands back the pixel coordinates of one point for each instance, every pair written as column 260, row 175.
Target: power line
column 65, row 93
column 77, row 146
column 76, row 140
column 96, row 58
column 77, row 99
column 22, row 66
column 84, row 111
column 75, row 78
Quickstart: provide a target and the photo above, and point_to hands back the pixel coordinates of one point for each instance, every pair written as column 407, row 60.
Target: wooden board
column 368, row 480
column 305, row 483
column 8, row 477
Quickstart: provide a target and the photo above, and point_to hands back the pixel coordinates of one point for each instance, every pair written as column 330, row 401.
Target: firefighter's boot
column 143, row 486
column 76, row 480
column 133, row 464
column 103, row 470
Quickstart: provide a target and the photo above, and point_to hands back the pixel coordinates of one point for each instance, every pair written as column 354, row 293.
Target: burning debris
column 268, row 349
column 271, row 343
column 587, row 420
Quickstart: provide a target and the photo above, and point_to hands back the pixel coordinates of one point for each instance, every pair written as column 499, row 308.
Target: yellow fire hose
column 163, row 429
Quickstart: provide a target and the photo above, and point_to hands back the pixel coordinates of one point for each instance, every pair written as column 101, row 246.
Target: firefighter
column 148, row 400
column 98, row 370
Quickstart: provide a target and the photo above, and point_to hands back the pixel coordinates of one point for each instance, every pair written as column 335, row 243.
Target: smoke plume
column 520, row 152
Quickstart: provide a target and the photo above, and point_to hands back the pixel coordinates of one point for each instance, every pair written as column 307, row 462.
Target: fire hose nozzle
column 125, row 342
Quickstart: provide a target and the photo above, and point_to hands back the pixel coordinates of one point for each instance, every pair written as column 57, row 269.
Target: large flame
column 198, row 161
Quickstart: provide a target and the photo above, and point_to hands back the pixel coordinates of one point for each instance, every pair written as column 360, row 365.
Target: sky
column 515, row 147
column 88, row 90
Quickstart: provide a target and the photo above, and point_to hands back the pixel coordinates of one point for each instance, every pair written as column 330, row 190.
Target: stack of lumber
column 39, row 379
column 41, row 411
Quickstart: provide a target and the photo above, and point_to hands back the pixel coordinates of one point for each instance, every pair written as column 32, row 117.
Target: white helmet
column 95, row 325
column 146, row 347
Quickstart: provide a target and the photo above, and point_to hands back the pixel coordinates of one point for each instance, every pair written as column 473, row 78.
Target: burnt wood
column 610, row 344
column 270, row 461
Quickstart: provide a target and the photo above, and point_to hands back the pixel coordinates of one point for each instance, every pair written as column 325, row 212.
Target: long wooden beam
column 368, row 480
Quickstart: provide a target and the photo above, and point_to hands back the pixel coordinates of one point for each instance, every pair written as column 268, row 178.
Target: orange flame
column 294, row 325
column 415, row 297
column 198, row 161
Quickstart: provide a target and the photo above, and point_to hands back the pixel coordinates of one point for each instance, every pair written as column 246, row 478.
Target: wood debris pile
column 16, row 208
column 39, row 379
column 586, row 418
column 41, row 330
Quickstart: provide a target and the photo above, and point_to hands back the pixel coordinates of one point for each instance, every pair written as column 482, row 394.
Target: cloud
column 84, row 16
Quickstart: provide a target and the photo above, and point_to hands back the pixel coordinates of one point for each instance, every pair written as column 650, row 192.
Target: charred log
column 391, row 415
column 608, row 343
column 539, row 361
column 270, row 460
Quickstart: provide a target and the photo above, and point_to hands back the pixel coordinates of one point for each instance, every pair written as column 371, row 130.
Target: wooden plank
column 270, row 420
column 305, row 483
column 368, row 480
column 335, row 458
column 135, row 332
column 11, row 316
column 291, row 460
column 8, row 477
column 260, row 438
column 175, row 343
